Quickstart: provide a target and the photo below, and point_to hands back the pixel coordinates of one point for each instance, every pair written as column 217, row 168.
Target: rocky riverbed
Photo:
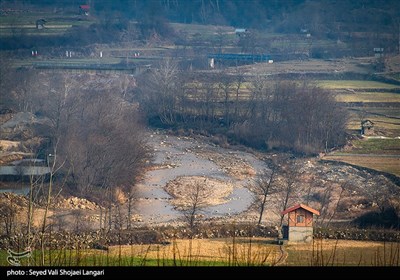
column 340, row 192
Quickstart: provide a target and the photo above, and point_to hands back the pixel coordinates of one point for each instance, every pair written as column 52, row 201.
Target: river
column 181, row 156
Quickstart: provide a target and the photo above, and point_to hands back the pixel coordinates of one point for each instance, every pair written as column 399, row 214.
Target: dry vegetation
column 323, row 252
column 240, row 251
column 246, row 252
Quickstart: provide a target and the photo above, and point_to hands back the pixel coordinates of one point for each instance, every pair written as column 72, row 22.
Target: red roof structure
column 85, row 8
column 305, row 207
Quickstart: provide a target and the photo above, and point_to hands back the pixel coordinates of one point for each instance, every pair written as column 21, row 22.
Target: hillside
column 352, row 28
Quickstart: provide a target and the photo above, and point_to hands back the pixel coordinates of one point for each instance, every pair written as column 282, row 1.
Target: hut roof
column 305, row 207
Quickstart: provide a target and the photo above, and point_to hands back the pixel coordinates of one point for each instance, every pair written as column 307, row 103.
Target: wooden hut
column 300, row 223
column 367, row 127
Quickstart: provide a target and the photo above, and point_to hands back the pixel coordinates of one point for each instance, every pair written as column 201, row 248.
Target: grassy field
column 344, row 253
column 25, row 23
column 379, row 106
column 385, row 164
column 374, row 153
column 376, row 146
column 385, row 119
column 226, row 252
column 370, row 97
column 354, row 84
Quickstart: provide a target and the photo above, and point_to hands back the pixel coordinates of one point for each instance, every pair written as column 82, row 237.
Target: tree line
column 289, row 15
column 255, row 111
column 95, row 132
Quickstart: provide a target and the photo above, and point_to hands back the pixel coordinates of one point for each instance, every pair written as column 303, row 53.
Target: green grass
column 376, row 146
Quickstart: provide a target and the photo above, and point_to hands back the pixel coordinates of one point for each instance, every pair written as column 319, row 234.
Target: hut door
column 285, row 232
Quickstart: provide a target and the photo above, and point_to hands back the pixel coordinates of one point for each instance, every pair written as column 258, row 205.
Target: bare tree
column 100, row 145
column 131, row 195
column 7, row 83
column 384, row 197
column 196, row 200
column 21, row 89
column 342, row 187
column 286, row 187
column 8, row 213
column 95, row 136
column 159, row 92
column 225, row 85
column 325, row 200
column 36, row 185
column 206, row 95
column 54, row 167
column 303, row 123
column 239, row 80
column 262, row 189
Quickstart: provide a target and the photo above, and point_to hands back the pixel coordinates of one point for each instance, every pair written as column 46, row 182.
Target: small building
column 40, row 23
column 378, row 52
column 24, row 170
column 241, row 31
column 367, row 127
column 300, row 223
column 84, row 10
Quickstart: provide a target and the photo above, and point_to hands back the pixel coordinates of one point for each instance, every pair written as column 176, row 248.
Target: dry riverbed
column 226, row 177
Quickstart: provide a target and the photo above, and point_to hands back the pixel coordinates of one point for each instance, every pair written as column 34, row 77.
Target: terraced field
column 380, row 103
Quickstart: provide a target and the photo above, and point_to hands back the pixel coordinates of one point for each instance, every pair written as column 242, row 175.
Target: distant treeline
column 374, row 21
column 291, row 14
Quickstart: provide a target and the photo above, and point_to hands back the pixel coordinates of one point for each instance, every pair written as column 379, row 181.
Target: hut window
column 300, row 219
